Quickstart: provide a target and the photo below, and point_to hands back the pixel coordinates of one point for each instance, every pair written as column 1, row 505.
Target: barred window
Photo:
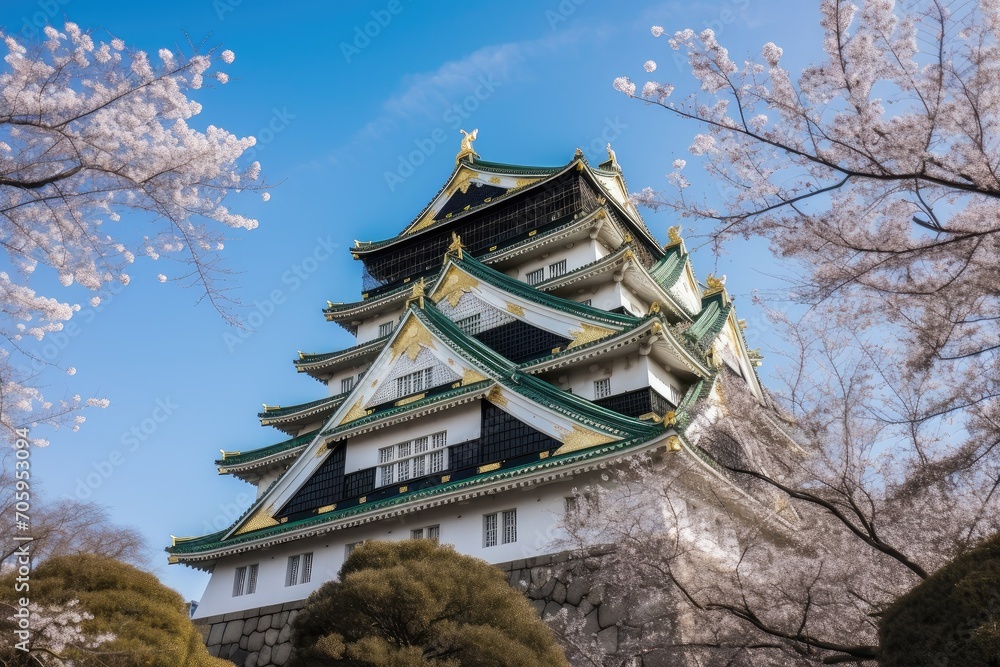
column 384, row 329
column 351, row 547
column 307, row 568
column 434, row 533
column 602, row 388
column 414, row 382
column 509, row 526
column 535, row 277
column 557, row 269
column 414, row 458
column 346, row 385
column 490, row 530
column 469, row 325
column 428, row 532
column 292, row 572
column 245, row 581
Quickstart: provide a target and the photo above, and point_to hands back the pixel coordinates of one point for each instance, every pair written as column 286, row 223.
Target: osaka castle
column 522, row 333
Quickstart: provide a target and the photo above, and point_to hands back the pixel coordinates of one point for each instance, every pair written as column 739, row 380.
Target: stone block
column 539, row 606
column 281, row 653
column 264, row 622
column 590, row 624
column 215, row 636
column 271, row 636
column 279, row 620
column 607, row 639
column 291, row 616
column 256, row 641
column 214, row 650
column 550, row 609
column 264, row 657
column 546, row 590
column 233, row 616
column 577, row 588
column 559, row 592
column 596, row 595
column 271, row 609
column 233, row 631
column 238, row 656
column 610, row 613
column 251, row 660
column 284, row 635
column 243, row 642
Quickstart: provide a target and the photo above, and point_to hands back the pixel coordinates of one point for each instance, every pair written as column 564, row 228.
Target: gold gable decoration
column 588, row 333
column 260, row 520
column 357, row 411
column 580, row 438
column 471, row 376
column 411, row 340
column 455, row 285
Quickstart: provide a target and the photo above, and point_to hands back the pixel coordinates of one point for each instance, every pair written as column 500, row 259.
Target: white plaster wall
column 368, row 329
column 626, row 372
column 582, row 252
column 266, row 480
column 539, row 511
column 663, row 381
column 333, row 384
column 462, row 423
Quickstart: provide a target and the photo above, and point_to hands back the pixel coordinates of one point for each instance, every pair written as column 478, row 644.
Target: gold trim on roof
column 496, row 396
column 588, row 333
column 515, row 309
column 413, row 338
column 580, row 438
column 471, row 376
column 455, row 285
column 357, row 411
column 489, row 467
column 258, row 521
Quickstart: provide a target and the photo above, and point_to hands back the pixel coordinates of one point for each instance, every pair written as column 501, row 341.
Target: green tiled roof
column 276, row 412
column 525, row 291
column 669, row 268
column 710, row 321
column 251, row 455
column 214, row 540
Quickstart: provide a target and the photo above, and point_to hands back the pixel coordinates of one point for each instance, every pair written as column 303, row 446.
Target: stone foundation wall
column 258, row 637
column 624, row 629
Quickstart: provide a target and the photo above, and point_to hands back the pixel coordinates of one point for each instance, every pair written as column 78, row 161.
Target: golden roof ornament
column 456, row 245
column 612, row 158
column 674, row 234
column 670, row 418
column 417, row 294
column 654, row 308
column 715, row 284
column 466, row 150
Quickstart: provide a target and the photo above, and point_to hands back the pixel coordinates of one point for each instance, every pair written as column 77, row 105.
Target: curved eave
column 320, row 365
column 292, row 418
column 343, row 312
column 210, row 547
column 635, row 276
column 252, row 470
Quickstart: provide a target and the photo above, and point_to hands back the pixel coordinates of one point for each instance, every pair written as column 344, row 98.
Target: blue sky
column 347, row 126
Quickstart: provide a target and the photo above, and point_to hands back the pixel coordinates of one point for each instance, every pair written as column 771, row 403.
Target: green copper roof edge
column 709, row 322
column 397, row 409
column 263, row 452
column 292, row 409
column 318, row 358
column 610, row 258
column 339, row 307
column 213, row 540
column 525, row 291
column 569, row 405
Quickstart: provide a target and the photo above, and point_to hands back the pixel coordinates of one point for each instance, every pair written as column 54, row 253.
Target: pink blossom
column 624, row 85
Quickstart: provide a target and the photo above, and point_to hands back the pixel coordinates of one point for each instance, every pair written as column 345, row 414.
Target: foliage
column 875, row 173
column 98, row 611
column 952, row 618
column 95, row 137
column 414, row 602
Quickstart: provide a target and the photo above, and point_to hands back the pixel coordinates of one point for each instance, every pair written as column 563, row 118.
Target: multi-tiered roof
column 459, row 254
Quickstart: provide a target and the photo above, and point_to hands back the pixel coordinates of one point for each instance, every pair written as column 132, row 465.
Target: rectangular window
column 417, row 534
column 430, row 533
column 509, row 526
column 557, row 269
column 384, row 329
column 414, row 458
column 602, row 388
column 571, row 505
column 469, row 325
column 535, row 277
column 240, row 582
column 292, row 573
column 490, row 530
column 307, row 568
column 412, row 383
column 434, row 533
column 351, row 547
column 252, row 579
column 346, row 385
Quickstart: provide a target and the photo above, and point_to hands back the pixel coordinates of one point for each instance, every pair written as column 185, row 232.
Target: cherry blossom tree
column 97, row 140
column 874, row 172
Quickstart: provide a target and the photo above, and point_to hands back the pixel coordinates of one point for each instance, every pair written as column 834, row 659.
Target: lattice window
column 429, row 533
column 557, row 269
column 413, row 458
column 384, row 329
column 470, row 325
column 490, row 530
column 425, row 372
column 346, row 385
column 239, row 582
column 252, row 579
column 535, row 277
column 307, row 568
column 509, row 526
column 602, row 388
column 292, row 573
